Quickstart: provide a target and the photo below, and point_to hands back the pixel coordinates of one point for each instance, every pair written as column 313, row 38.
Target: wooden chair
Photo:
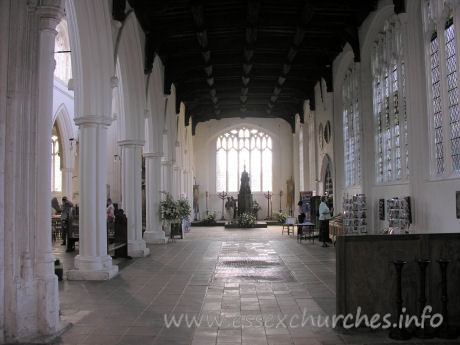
column 288, row 225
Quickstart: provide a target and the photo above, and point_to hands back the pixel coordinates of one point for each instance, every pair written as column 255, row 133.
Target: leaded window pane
column 239, row 149
column 351, row 128
column 221, row 170
column 436, row 102
column 390, row 118
column 452, row 90
column 232, row 169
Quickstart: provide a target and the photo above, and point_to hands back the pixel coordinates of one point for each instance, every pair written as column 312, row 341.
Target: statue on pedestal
column 244, row 196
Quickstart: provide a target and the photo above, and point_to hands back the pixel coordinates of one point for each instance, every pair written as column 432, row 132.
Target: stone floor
column 231, row 280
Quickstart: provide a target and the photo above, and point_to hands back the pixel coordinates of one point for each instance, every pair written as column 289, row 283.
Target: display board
column 305, row 197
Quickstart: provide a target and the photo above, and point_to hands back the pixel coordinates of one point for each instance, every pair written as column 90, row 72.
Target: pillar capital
column 92, row 120
column 51, row 12
column 153, row 154
column 131, row 142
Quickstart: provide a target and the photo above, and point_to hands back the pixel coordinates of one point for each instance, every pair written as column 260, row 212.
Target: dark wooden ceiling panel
column 241, row 58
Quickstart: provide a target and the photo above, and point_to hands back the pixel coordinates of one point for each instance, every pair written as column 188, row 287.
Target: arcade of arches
column 80, row 117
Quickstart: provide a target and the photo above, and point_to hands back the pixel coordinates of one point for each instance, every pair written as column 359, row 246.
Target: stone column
column 153, row 233
column 47, row 286
column 166, row 176
column 176, row 181
column 131, row 192
column 185, row 183
column 93, row 263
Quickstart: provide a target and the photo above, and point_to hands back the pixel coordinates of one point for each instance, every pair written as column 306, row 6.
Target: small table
column 307, row 233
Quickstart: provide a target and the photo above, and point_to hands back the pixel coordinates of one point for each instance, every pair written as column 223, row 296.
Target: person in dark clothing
column 300, row 215
column 66, row 218
column 324, row 216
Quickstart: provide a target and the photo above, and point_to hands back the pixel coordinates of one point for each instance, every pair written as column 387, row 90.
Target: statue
column 196, row 205
column 244, row 196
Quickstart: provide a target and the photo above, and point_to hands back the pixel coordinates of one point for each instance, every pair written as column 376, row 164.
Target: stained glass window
column 328, row 187
column 390, row 117
column 351, row 128
column 243, row 149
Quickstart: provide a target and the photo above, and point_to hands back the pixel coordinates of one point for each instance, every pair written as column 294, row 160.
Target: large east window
column 244, row 149
column 443, row 90
column 351, row 128
column 389, row 97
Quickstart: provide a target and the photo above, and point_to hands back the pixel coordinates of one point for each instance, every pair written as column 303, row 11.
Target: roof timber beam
column 202, row 37
column 252, row 18
column 203, row 117
column 307, row 15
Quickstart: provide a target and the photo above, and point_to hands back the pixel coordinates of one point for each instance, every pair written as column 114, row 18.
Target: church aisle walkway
column 235, row 276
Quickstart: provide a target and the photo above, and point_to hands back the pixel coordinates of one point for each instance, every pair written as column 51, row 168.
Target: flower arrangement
column 281, row 217
column 184, row 208
column 211, row 219
column 247, row 220
column 174, row 210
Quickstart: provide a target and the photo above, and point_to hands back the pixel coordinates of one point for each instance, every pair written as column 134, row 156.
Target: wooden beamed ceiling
column 247, row 58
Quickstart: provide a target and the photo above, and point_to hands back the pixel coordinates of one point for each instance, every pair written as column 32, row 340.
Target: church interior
column 157, row 158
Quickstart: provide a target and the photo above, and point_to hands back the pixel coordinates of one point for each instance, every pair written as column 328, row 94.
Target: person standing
column 324, row 216
column 110, row 216
column 66, row 215
column 300, row 216
column 110, row 209
column 55, row 207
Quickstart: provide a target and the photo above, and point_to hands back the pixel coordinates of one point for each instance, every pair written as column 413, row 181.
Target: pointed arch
column 327, row 175
column 66, row 130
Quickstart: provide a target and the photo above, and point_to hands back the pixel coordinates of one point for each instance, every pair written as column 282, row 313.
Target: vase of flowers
column 169, row 211
column 172, row 213
column 247, row 220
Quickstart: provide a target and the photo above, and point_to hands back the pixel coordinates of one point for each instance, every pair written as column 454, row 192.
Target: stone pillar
column 47, row 286
column 67, row 174
column 176, row 181
column 93, row 263
column 166, row 176
column 153, row 233
column 185, row 183
column 131, row 191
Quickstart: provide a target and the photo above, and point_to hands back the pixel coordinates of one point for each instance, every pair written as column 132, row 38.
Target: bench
column 117, row 235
